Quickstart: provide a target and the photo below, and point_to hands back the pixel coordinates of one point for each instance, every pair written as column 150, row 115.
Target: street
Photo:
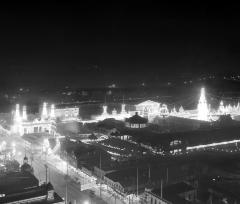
column 57, row 170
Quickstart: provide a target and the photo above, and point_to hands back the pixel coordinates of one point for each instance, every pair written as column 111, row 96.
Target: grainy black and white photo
column 119, row 102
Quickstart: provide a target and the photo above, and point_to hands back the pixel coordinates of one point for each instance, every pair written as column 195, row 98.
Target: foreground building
column 179, row 193
column 136, row 121
column 23, row 187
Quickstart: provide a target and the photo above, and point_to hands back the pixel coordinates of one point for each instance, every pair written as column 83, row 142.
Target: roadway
column 57, row 176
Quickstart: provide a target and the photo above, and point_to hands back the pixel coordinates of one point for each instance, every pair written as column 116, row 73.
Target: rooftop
column 39, row 192
column 15, row 181
column 171, row 192
column 136, row 119
column 189, row 138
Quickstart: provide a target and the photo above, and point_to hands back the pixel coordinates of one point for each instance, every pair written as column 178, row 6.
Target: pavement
column 57, row 176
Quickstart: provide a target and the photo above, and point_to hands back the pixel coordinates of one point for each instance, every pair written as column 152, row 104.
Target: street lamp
column 13, row 148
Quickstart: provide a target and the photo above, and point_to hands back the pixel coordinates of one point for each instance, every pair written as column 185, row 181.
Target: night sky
column 93, row 44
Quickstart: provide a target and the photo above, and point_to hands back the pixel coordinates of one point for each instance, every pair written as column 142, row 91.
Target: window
column 35, row 129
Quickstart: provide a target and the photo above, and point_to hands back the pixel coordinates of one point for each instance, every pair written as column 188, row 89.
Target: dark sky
column 92, row 44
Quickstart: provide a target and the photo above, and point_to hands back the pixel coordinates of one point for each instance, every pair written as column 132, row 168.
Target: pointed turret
column 24, row 114
column 114, row 112
column 221, row 108
column 104, row 110
column 52, row 112
column 181, row 109
column 25, row 160
column 17, row 117
column 44, row 111
column 123, row 109
column 203, row 111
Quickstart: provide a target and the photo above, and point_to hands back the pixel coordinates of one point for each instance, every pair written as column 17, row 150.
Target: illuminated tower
column 17, row 117
column 221, row 109
column 17, row 121
column 114, row 112
column 52, row 112
column 203, row 111
column 44, row 111
column 24, row 114
column 123, row 109
column 104, row 110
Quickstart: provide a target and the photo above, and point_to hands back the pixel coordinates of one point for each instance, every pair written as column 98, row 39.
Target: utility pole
column 137, row 184
column 66, row 192
column 167, row 175
column 161, row 188
column 46, row 173
column 149, row 173
column 100, row 166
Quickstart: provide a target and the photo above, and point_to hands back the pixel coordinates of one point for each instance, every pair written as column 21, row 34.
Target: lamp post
column 66, row 180
column 46, row 166
column 45, row 151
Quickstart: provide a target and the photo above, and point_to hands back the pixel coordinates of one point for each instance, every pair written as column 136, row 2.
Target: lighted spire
column 17, row 117
column 203, row 111
column 114, row 112
column 52, row 113
column 104, row 110
column 44, row 111
column 24, row 115
column 123, row 109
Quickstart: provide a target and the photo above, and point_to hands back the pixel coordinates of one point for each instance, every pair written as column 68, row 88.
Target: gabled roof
column 148, row 103
column 136, row 119
column 172, row 191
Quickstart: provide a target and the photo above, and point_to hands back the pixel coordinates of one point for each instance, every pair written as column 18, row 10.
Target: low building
column 136, row 121
column 124, row 181
column 178, row 193
column 121, row 150
column 39, row 125
column 148, row 107
column 23, row 187
column 67, row 113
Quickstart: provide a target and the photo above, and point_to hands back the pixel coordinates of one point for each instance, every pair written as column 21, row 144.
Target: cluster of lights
column 3, row 145
column 112, row 147
column 212, row 145
column 46, row 146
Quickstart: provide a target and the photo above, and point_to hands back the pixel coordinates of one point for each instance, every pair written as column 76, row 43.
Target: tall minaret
column 17, row 117
column 123, row 108
column 52, row 112
column 105, row 107
column 104, row 110
column 44, row 111
column 203, row 111
column 24, row 113
column 221, row 108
